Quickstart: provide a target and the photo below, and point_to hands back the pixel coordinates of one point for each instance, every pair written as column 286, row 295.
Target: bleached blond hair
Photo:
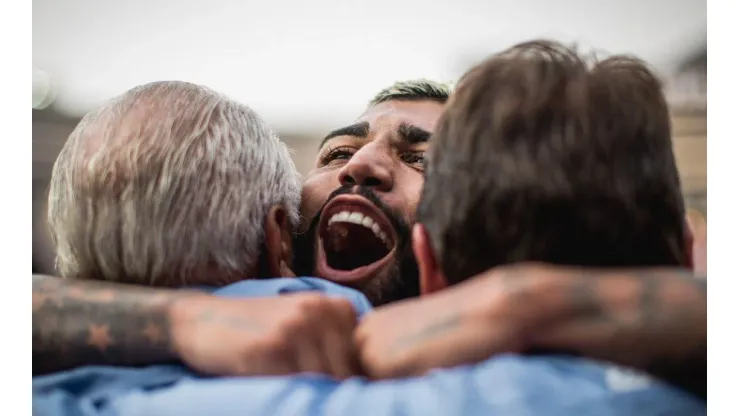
column 168, row 184
column 414, row 90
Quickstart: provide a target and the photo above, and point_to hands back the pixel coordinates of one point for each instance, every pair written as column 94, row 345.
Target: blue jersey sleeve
column 507, row 385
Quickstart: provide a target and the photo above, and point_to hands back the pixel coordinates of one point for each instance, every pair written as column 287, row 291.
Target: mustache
column 400, row 282
column 399, row 224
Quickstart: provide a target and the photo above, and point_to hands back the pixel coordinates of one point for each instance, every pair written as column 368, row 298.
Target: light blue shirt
column 505, row 385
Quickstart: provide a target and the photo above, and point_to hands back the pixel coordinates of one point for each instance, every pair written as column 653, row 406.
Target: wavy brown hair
column 544, row 155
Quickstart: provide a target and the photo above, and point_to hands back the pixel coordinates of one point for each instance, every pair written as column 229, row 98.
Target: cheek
column 316, row 188
column 412, row 185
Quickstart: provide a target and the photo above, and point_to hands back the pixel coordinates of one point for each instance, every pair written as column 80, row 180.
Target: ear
column 431, row 278
column 278, row 242
column 689, row 243
column 698, row 226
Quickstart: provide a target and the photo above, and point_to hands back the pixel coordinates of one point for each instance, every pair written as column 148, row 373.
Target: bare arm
column 78, row 322
column 650, row 319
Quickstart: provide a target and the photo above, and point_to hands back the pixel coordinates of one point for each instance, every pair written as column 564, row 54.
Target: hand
column 265, row 336
column 463, row 324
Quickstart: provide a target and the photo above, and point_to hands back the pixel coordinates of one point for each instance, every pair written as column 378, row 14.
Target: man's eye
column 413, row 158
column 336, row 154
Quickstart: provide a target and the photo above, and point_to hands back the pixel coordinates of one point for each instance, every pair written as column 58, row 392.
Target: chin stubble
column 399, row 281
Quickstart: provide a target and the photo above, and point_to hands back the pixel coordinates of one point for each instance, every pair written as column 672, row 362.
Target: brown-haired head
column 542, row 155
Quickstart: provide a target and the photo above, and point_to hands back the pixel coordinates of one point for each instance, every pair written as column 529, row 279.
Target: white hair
column 168, row 185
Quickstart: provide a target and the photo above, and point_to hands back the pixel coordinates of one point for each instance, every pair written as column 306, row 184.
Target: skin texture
column 698, row 226
column 136, row 326
column 382, row 152
column 376, row 156
column 82, row 322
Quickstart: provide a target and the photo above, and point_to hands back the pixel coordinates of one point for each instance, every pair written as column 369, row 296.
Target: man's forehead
column 391, row 114
column 409, row 121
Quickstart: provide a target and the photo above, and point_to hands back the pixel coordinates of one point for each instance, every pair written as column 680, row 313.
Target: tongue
column 349, row 246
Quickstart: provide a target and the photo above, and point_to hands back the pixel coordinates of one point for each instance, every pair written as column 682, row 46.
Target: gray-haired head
column 168, row 184
column 414, row 90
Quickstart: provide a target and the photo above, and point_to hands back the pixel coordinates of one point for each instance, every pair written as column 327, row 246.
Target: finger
column 265, row 367
column 309, row 351
column 338, row 341
column 362, row 328
column 340, row 352
column 266, row 360
column 344, row 312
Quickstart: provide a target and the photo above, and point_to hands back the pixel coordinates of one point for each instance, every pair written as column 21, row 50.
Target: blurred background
column 311, row 66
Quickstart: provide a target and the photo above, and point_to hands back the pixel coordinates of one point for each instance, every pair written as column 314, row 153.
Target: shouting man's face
column 360, row 200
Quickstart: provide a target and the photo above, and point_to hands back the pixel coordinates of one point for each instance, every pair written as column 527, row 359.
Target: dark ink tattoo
column 681, row 306
column 77, row 322
column 652, row 320
column 650, row 302
column 585, row 299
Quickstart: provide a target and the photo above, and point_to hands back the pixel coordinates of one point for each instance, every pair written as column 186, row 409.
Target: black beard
column 399, row 282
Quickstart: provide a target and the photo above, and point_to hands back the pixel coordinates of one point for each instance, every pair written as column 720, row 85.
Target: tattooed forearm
column 654, row 320
column 686, row 367
column 78, row 322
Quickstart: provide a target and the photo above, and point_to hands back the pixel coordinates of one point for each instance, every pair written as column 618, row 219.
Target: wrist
column 525, row 298
column 183, row 312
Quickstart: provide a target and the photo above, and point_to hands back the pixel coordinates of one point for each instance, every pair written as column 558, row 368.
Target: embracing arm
column 79, row 322
column 650, row 319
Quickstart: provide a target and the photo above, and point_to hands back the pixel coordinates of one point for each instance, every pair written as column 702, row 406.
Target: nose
column 370, row 166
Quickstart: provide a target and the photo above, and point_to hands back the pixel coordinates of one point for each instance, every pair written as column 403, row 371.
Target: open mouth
column 356, row 240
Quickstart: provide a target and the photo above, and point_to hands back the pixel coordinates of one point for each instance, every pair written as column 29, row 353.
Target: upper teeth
column 359, row 218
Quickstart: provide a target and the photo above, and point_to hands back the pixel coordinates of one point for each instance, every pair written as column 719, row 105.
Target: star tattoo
column 99, row 337
column 153, row 332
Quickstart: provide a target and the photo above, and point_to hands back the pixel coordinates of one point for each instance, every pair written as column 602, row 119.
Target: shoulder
column 577, row 386
column 507, row 384
column 287, row 285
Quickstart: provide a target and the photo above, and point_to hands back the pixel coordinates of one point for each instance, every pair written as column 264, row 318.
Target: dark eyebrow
column 360, row 130
column 413, row 134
